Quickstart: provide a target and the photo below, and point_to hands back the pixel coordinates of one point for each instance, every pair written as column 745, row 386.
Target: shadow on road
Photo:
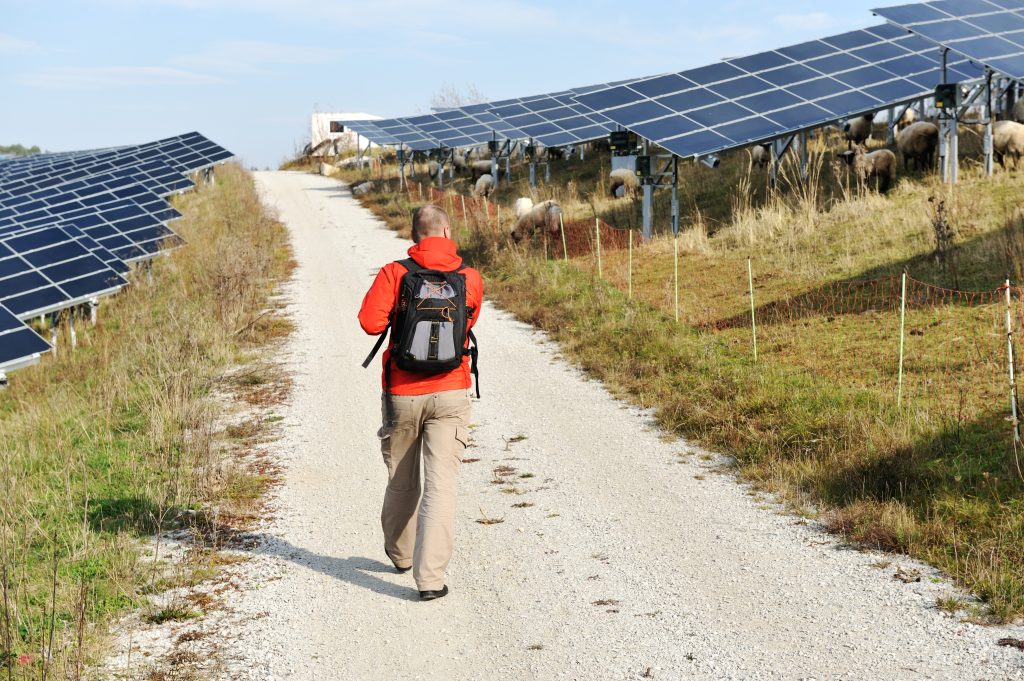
column 356, row 570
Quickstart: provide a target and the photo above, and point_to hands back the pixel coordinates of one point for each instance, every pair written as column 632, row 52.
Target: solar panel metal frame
column 701, row 111
column 368, row 129
column 20, row 346
column 989, row 33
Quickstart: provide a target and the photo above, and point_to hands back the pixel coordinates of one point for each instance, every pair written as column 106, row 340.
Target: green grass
column 116, row 440
column 815, row 419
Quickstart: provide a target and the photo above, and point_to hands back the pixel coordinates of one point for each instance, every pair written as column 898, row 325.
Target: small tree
column 449, row 96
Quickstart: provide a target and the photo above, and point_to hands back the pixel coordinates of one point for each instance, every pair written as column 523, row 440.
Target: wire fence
column 943, row 356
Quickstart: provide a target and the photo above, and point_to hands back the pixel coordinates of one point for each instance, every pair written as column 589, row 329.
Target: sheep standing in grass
column 622, row 181
column 522, row 206
column 546, row 214
column 858, row 130
column 1008, row 141
column 906, row 120
column 484, row 185
column 761, row 155
column 918, row 142
column 479, row 168
column 433, row 168
column 878, row 165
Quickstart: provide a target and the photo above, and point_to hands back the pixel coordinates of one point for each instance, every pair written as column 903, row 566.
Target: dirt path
column 625, row 560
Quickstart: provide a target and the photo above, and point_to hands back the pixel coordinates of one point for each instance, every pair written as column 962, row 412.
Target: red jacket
column 436, row 253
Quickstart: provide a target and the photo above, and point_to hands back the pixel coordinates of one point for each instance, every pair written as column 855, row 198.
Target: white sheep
column 761, row 155
column 906, row 120
column 478, row 168
column 546, row 214
column 484, row 185
column 879, row 165
column 918, row 142
column 522, row 206
column 858, row 130
column 1008, row 141
column 621, row 182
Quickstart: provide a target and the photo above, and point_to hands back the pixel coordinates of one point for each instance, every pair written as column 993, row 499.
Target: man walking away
column 430, row 302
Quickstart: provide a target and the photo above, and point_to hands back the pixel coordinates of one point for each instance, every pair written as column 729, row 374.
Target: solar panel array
column 741, row 101
column 990, row 32
column 71, row 223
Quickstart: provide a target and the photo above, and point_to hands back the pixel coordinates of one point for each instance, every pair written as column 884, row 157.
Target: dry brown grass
column 118, row 440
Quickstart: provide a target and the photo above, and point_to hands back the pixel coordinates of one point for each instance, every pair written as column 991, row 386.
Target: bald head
column 430, row 220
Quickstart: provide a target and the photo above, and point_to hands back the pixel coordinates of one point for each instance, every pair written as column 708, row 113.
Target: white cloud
column 246, row 56
column 811, row 21
column 11, row 45
column 106, row 77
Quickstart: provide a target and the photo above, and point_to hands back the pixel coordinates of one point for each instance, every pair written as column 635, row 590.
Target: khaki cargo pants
column 434, row 425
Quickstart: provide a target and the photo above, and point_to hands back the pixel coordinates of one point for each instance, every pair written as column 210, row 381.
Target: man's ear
column 448, row 231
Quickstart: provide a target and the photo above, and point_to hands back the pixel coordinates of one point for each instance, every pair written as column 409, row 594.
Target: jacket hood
column 435, row 252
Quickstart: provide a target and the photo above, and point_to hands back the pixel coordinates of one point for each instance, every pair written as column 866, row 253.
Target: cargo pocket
column 462, row 437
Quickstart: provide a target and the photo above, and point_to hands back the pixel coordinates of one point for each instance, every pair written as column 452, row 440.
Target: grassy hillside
column 818, row 417
column 124, row 436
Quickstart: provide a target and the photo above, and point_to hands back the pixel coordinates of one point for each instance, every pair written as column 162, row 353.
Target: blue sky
column 248, row 73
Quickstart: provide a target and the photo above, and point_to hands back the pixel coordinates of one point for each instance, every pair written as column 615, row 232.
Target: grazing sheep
column 484, row 185
column 460, row 161
column 1018, row 112
column 761, row 155
column 858, row 130
column 878, row 165
column 479, row 168
column 522, row 206
column 1008, row 140
column 621, row 182
column 906, row 120
column 918, row 142
column 545, row 214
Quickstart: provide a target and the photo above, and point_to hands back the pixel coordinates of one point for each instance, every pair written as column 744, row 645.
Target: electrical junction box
column 643, row 166
column 948, row 96
column 493, row 146
column 622, row 141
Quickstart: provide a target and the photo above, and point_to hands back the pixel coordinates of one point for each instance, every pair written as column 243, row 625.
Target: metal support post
column 494, row 169
column 803, row 157
column 533, row 175
column 675, row 195
column 508, row 168
column 890, row 137
column 988, row 122
column 648, row 200
column 547, row 172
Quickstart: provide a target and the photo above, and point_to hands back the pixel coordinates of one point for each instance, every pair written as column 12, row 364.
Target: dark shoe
column 399, row 570
column 434, row 595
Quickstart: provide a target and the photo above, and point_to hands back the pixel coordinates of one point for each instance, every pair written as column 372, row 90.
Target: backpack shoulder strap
column 410, row 265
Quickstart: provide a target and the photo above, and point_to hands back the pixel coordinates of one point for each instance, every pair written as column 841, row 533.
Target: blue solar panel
column 981, row 30
column 752, row 99
column 49, row 270
column 19, row 345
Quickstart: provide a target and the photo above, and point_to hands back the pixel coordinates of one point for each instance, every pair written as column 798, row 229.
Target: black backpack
column 428, row 324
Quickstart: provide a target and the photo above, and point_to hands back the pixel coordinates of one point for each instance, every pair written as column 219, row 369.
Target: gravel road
column 621, row 555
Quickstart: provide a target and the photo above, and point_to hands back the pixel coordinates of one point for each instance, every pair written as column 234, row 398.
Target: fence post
column 597, row 231
column 561, row 227
column 465, row 218
column 753, row 321
column 903, row 323
column 630, row 275
column 1013, row 373
column 675, row 269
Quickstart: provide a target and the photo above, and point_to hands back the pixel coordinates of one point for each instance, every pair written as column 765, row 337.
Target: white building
column 326, row 126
